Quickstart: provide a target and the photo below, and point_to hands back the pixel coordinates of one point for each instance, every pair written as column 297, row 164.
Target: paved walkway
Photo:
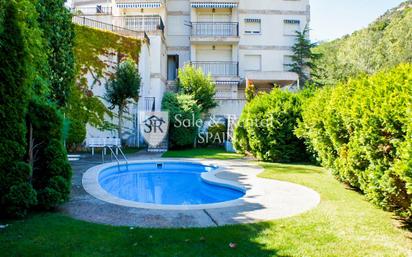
column 267, row 200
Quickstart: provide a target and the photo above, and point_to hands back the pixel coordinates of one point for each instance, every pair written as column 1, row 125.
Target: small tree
column 194, row 82
column 303, row 59
column 123, row 89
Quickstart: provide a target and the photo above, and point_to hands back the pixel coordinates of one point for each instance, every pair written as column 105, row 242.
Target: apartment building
column 236, row 41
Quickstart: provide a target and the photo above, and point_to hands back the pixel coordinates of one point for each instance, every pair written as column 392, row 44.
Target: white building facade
column 236, row 41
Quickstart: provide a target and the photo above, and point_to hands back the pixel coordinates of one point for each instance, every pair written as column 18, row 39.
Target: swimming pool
column 166, row 183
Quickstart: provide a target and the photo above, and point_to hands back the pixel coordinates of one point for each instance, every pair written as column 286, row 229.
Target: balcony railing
column 140, row 23
column 92, row 10
column 215, row 29
column 218, row 68
column 109, row 27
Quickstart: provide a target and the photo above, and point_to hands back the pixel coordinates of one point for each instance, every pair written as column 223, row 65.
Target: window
column 287, row 61
column 252, row 26
column 291, row 26
column 253, row 62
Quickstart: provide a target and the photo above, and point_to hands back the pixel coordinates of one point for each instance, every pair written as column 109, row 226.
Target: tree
column 194, row 82
column 58, row 30
column 16, row 193
column 122, row 89
column 303, row 58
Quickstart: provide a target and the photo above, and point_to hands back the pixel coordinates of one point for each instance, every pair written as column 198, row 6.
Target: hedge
column 266, row 128
column 16, row 193
column 51, row 169
column 362, row 131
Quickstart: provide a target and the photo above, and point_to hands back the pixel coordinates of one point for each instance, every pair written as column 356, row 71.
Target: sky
column 331, row 19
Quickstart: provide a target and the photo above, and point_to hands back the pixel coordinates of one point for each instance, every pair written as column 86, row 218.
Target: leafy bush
column 20, row 196
column 16, row 192
column 217, row 133
column 194, row 82
column 76, row 132
column 181, row 108
column 266, row 128
column 51, row 169
column 362, row 131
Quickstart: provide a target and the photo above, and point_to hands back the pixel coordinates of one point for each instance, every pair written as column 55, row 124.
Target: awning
column 139, row 5
column 214, row 5
column 227, row 82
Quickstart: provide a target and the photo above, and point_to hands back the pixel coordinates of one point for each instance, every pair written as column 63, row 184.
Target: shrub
column 266, row 128
column 51, row 169
column 217, row 133
column 16, row 193
column 181, row 108
column 194, row 82
column 361, row 130
column 76, row 132
column 21, row 195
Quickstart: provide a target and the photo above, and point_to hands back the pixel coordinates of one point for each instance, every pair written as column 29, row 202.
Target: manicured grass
column 207, row 153
column 344, row 224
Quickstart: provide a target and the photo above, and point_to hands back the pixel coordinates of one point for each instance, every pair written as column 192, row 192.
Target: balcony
column 98, row 10
column 145, row 23
column 215, row 32
column 218, row 69
column 83, row 21
column 215, row 29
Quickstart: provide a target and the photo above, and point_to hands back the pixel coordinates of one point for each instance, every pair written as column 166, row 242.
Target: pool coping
column 90, row 182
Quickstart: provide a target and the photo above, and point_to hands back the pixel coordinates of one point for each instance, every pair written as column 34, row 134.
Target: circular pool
column 165, row 183
column 168, row 185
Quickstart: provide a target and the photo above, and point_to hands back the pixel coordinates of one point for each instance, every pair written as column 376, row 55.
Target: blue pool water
column 166, row 183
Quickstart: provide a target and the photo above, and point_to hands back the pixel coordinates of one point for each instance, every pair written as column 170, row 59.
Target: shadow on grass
column 54, row 234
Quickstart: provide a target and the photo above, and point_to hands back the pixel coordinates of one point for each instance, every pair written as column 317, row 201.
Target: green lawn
column 207, row 153
column 344, row 224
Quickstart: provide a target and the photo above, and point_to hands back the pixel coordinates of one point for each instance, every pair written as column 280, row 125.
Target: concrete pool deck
column 265, row 200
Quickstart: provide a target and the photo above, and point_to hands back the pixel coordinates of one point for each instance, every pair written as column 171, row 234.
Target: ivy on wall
column 93, row 45
column 97, row 52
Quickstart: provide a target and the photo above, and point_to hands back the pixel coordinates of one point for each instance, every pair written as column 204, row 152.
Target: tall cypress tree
column 16, row 192
column 303, row 59
column 55, row 21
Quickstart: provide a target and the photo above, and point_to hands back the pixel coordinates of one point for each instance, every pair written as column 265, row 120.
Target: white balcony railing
column 218, row 68
column 220, row 29
column 98, row 10
column 140, row 23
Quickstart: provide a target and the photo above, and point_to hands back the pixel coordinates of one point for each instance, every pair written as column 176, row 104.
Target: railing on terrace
column 221, row 29
column 109, row 27
column 140, row 23
column 92, row 10
column 218, row 68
